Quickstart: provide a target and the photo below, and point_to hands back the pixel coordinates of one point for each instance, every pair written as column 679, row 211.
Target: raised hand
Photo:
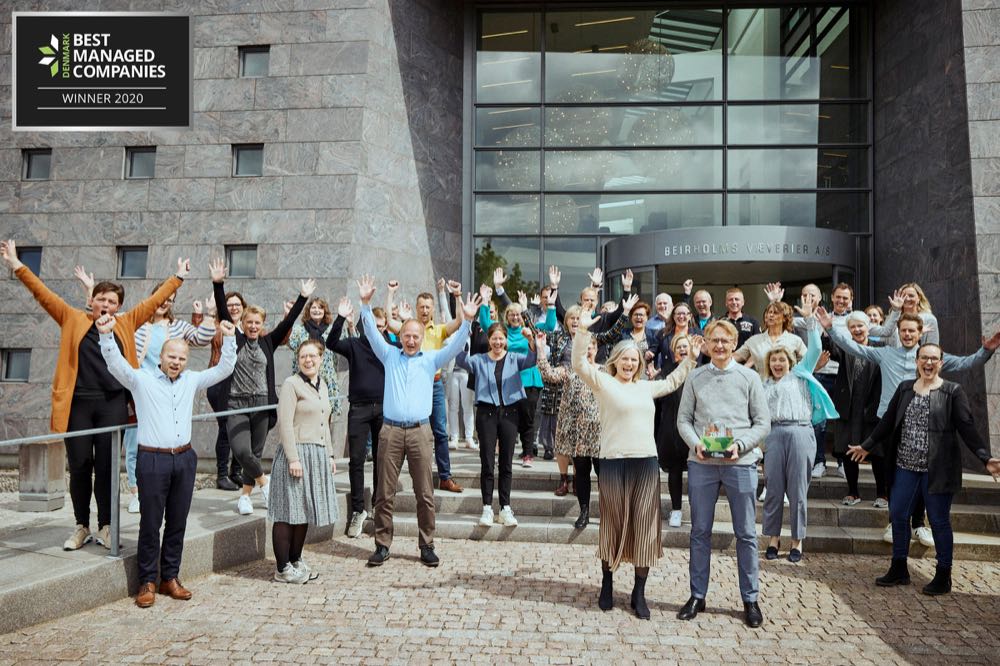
column 345, row 309
column 554, row 276
column 405, row 311
column 183, row 267
column 393, row 287
column 217, row 269
column 441, row 284
column 596, row 278
column 824, row 358
column 696, row 343
column 522, row 299
column 210, row 307
column 105, row 324
column 824, row 318
column 774, row 292
column 627, row 279
column 498, row 278
column 993, row 342
column 454, row 288
column 196, row 306
column 307, row 287
column 896, row 300
column 8, row 252
column 806, row 308
column 366, row 288
column 485, row 293
column 587, row 319
column 85, row 278
column 228, row 328
column 287, row 307
column 536, row 299
column 688, row 286
column 629, row 303
column 471, row 306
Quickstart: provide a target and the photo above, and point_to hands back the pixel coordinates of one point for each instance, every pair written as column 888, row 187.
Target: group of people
column 627, row 391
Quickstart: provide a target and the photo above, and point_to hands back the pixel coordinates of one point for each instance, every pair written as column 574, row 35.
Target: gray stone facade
column 360, row 116
column 931, row 224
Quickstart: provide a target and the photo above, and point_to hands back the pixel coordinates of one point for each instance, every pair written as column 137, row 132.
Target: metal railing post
column 116, row 453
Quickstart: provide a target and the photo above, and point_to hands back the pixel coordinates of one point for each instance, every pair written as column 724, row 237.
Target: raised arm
column 581, row 366
column 675, row 379
column 119, row 368
column 141, row 313
column 961, row 363
column 57, row 308
column 345, row 311
column 456, row 342
column 842, row 338
column 284, row 327
column 812, row 351
column 381, row 348
column 227, row 361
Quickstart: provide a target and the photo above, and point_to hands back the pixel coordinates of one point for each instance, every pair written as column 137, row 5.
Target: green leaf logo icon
column 50, row 58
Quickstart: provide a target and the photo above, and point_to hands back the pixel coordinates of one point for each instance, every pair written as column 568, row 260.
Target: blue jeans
column 740, row 482
column 907, row 487
column 131, row 453
column 439, row 426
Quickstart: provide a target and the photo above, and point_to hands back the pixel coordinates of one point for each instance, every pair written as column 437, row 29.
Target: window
column 37, row 164
column 132, row 262
column 254, row 60
column 16, row 363
column 31, row 257
column 248, row 160
column 140, row 162
column 242, row 260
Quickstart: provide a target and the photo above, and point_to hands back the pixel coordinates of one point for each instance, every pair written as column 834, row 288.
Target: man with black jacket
column 366, row 378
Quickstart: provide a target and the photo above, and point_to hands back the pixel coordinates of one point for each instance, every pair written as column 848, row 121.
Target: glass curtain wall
column 595, row 123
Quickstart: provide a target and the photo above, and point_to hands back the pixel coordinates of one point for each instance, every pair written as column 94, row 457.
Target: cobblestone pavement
column 528, row 603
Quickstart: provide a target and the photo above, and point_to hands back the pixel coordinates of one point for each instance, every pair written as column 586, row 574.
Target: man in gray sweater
column 720, row 397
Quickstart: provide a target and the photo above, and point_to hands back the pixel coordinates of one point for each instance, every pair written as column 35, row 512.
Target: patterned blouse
column 578, row 430
column 328, row 371
column 912, row 454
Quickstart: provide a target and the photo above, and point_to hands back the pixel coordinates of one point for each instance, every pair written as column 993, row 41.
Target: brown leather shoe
column 175, row 590
column 450, row 486
column 146, row 596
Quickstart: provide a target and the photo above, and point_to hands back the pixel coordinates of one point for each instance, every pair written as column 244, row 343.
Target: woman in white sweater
column 778, row 318
column 630, row 476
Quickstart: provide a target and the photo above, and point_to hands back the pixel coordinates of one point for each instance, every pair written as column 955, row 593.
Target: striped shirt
column 178, row 329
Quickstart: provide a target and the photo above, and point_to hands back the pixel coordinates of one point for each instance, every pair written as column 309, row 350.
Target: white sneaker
column 453, row 444
column 924, row 536
column 80, row 537
column 103, row 537
column 305, row 568
column 133, row 504
column 291, row 575
column 471, row 445
column 763, row 495
column 887, row 535
column 357, row 524
column 819, row 470
column 840, row 471
column 486, row 520
column 507, row 518
column 265, row 490
column 880, row 503
column 244, row 506
column 675, row 519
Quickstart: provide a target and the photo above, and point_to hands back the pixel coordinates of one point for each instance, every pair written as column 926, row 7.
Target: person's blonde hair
column 923, row 305
column 616, row 353
column 571, row 311
column 780, row 349
column 726, row 326
column 676, row 340
column 254, row 309
column 513, row 308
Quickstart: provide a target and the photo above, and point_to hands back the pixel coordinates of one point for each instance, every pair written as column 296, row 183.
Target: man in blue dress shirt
column 406, row 410
column 165, row 467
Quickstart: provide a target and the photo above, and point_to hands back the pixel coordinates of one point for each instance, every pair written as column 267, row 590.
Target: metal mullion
column 583, row 149
column 797, row 146
column 598, row 192
column 797, row 101
column 634, row 103
column 725, row 113
column 800, row 190
column 542, row 89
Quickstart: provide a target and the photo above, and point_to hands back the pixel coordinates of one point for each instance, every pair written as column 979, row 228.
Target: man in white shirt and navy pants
column 165, row 468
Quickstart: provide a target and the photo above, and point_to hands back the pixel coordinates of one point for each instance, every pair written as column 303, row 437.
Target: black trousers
column 363, row 419
column 527, row 423
column 495, row 424
column 167, row 483
column 225, row 462
column 91, row 455
column 247, row 436
column 581, row 470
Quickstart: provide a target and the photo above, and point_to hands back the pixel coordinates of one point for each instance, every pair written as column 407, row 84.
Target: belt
column 405, row 425
column 173, row 452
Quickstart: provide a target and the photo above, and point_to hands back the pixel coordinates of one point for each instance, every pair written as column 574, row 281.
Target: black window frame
column 238, row 148
column 121, row 251
column 27, row 155
column 242, row 247
column 5, row 363
column 254, row 50
column 130, row 153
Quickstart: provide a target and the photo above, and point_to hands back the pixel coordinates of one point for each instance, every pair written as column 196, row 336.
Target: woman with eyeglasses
column 682, row 322
column 920, row 433
column 316, row 322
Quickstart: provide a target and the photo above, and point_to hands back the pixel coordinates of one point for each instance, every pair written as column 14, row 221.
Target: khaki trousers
column 416, row 445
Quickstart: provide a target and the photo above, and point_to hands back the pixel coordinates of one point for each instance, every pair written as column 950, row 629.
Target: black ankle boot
column 639, row 598
column 898, row 574
column 584, row 518
column 941, row 584
column 606, row 602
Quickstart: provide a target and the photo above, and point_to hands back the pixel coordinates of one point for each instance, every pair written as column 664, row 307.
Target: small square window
column 37, row 164
column 140, row 162
column 31, row 257
column 16, row 364
column 132, row 262
column 248, row 160
column 242, row 260
column 254, row 60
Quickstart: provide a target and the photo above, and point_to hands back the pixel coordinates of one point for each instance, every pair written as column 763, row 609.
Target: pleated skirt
column 630, row 512
column 310, row 499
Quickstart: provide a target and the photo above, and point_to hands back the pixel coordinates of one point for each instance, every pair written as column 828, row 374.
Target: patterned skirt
column 311, row 498
column 630, row 512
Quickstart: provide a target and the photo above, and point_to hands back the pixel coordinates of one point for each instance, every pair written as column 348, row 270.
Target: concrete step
column 822, row 512
column 847, row 540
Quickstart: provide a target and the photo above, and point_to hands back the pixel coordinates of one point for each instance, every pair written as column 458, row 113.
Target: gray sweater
column 734, row 397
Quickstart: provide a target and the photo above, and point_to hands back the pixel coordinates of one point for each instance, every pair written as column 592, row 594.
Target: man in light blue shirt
column 166, row 463
column 406, row 410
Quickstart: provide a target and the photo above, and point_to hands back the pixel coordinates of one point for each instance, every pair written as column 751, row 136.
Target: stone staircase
column 833, row 528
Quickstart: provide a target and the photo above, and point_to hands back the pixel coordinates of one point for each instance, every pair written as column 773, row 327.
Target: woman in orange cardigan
column 84, row 394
